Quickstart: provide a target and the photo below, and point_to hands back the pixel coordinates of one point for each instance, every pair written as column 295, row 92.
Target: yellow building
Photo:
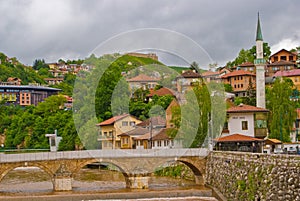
column 110, row 130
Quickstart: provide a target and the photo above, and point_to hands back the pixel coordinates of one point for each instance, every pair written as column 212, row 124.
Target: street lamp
column 150, row 132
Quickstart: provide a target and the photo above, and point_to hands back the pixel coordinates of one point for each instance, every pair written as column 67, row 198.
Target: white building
column 246, row 120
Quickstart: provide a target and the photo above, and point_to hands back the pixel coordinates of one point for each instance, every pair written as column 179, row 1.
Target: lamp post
column 150, row 132
column 113, row 138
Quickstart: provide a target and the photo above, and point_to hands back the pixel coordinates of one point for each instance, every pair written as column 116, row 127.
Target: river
column 30, row 183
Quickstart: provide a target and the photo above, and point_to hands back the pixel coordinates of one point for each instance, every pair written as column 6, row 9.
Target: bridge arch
column 121, row 169
column 198, row 168
column 6, row 169
column 9, row 168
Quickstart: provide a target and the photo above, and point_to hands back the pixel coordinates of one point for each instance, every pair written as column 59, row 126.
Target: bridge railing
column 116, row 153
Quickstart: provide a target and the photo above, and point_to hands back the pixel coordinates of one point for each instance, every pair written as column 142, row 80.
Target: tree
column 194, row 66
column 39, row 63
column 70, row 139
column 249, row 55
column 228, row 87
column 282, row 110
column 194, row 117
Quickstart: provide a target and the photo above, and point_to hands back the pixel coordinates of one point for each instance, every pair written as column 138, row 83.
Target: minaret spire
column 260, row 68
column 258, row 30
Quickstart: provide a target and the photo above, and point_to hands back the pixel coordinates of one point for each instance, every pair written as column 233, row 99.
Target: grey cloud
column 72, row 28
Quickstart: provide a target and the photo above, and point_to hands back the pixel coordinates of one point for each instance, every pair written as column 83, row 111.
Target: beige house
column 111, row 129
column 283, row 55
column 142, row 81
column 186, row 80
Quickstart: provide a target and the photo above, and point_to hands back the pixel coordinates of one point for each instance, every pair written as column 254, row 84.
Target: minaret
column 260, row 68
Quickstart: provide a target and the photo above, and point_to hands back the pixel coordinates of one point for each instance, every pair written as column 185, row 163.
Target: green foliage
column 249, row 55
column 26, row 127
column 228, row 87
column 39, row 64
column 70, row 139
column 194, row 117
column 282, row 109
column 176, row 171
column 67, row 85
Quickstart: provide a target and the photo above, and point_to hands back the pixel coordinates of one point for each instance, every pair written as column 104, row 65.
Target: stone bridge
column 135, row 165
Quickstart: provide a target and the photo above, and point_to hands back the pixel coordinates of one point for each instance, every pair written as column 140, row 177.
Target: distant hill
column 11, row 67
column 179, row 69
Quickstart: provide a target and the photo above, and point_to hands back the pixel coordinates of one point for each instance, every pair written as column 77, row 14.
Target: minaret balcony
column 259, row 61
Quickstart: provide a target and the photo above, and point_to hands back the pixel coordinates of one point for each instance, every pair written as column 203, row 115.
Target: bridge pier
column 137, row 181
column 199, row 179
column 62, row 183
column 62, row 179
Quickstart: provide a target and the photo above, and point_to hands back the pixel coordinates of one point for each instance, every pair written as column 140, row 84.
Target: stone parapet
column 251, row 176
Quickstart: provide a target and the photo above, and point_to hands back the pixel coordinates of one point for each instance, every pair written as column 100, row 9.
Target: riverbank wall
column 251, row 176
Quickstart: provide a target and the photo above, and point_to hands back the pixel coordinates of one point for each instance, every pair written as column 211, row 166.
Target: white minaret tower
column 260, row 69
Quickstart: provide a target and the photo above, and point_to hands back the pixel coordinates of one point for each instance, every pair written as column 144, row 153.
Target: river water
column 32, row 183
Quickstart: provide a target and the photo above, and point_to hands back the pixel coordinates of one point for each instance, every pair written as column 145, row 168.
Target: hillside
column 11, row 67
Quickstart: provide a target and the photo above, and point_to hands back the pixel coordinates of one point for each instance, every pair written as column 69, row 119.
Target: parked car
column 278, row 151
column 292, row 150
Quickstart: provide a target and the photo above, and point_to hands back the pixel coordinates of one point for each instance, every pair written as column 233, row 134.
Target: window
column 110, row 133
column 104, row 133
column 283, row 58
column 124, row 123
column 159, row 143
column 242, row 85
column 244, row 125
column 132, row 123
column 261, row 123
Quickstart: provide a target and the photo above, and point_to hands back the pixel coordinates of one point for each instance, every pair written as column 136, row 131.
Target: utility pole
column 150, row 127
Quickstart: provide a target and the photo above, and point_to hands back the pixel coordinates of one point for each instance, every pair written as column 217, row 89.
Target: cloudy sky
column 70, row 29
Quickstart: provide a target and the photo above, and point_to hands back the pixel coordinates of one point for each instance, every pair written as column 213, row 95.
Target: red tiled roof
column 143, row 137
column 289, row 73
column 246, row 64
column 142, row 77
column 112, row 120
column 136, row 131
column 161, row 92
column 282, row 63
column 209, row 73
column 238, row 73
column 156, row 121
column 237, row 138
column 246, row 108
column 190, row 74
column 161, row 135
column 275, row 141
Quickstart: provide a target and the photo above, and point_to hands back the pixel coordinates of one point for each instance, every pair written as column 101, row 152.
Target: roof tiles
column 237, row 138
column 246, row 108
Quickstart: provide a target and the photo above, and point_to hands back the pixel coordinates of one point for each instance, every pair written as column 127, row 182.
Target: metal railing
column 103, row 154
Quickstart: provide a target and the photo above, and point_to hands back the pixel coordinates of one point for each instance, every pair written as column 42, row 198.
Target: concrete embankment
column 193, row 194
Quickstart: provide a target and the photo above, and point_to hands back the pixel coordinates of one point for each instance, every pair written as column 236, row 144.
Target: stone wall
column 251, row 176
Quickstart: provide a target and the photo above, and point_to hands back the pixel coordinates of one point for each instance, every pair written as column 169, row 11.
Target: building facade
column 240, row 81
column 25, row 95
column 111, row 129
